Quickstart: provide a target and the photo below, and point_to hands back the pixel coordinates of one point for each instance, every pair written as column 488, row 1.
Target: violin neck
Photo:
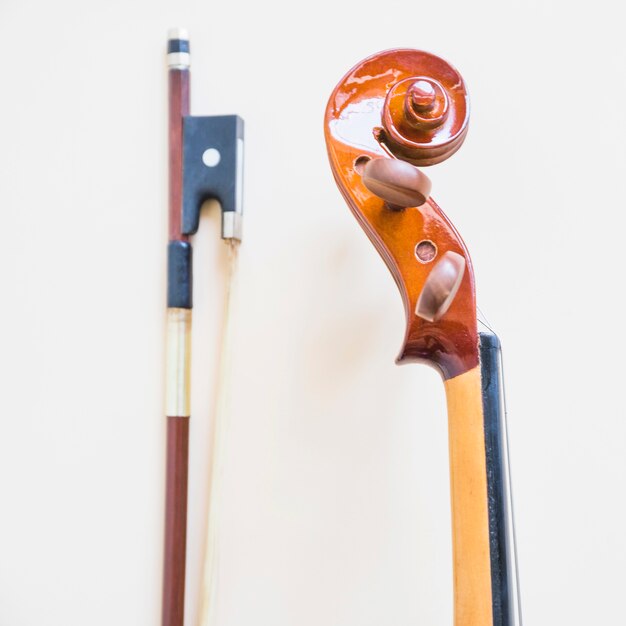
column 485, row 586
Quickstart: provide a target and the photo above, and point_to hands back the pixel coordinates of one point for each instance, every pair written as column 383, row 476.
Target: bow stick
column 392, row 112
column 205, row 162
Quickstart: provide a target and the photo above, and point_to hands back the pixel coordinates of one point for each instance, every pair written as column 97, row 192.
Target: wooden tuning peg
column 398, row 183
column 441, row 287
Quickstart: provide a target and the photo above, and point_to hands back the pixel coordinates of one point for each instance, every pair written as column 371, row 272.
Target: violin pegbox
column 391, row 114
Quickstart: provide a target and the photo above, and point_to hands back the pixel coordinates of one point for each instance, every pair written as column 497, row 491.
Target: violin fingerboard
column 504, row 579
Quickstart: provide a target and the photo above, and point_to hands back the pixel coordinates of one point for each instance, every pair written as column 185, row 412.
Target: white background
column 335, row 495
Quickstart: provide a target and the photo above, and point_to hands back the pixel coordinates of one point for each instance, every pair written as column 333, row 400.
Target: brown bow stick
column 391, row 113
column 205, row 162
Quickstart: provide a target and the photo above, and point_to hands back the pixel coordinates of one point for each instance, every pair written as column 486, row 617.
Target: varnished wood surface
column 353, row 124
column 468, row 492
column 175, row 521
column 178, row 108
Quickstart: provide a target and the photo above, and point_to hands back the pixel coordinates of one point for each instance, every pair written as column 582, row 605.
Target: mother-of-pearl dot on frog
column 211, row 157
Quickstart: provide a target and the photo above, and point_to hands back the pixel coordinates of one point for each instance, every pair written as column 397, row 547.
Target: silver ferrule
column 232, row 225
column 232, row 221
column 179, row 60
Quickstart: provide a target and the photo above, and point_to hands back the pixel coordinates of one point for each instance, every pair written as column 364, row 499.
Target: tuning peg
column 398, row 183
column 441, row 287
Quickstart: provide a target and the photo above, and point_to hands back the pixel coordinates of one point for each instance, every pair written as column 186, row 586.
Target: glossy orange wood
column 353, row 129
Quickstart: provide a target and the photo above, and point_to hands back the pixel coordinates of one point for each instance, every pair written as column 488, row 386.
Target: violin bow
column 205, row 162
column 391, row 113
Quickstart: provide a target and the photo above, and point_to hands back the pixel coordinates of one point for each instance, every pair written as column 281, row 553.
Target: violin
column 391, row 115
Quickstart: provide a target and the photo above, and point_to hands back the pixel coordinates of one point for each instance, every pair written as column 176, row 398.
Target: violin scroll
column 391, row 113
